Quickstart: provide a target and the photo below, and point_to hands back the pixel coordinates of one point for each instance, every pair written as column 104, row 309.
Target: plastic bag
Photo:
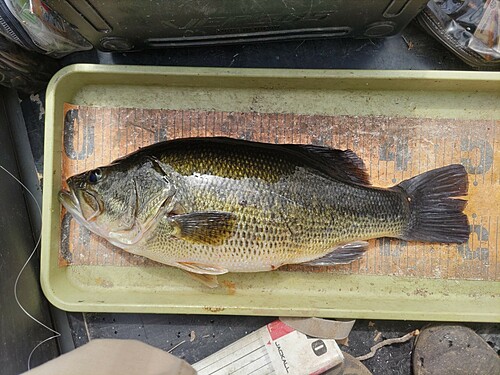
column 469, row 28
column 33, row 25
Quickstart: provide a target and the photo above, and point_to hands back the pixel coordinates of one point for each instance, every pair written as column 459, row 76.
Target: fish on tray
column 215, row 205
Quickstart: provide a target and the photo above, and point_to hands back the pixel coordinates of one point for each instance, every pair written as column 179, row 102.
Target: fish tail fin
column 435, row 214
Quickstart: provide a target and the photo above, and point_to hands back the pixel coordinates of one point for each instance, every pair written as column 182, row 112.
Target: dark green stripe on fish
column 216, row 205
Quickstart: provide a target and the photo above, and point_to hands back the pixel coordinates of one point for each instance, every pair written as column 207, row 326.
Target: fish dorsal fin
column 208, row 228
column 345, row 165
column 341, row 255
column 199, row 268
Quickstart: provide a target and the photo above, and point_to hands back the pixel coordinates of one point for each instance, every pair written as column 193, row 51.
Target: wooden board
column 393, row 148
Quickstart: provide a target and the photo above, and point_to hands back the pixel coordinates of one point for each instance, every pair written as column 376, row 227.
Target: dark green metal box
column 127, row 25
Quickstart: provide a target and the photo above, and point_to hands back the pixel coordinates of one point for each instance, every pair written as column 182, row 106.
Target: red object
column 278, row 329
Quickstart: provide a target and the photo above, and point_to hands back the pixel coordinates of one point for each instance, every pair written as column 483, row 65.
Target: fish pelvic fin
column 207, row 280
column 341, row 255
column 200, row 268
column 436, row 215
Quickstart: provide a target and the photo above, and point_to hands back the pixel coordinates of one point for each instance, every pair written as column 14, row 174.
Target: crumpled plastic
column 469, row 28
column 48, row 31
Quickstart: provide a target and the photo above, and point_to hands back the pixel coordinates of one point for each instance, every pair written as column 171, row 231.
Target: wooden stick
column 396, row 340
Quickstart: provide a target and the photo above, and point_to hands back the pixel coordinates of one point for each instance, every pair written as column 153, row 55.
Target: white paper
column 274, row 349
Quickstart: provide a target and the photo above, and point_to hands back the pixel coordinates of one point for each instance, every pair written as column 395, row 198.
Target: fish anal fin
column 209, row 228
column 199, row 268
column 341, row 255
column 341, row 164
column 207, row 280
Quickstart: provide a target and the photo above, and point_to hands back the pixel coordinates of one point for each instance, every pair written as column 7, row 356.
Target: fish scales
column 283, row 213
column 280, row 226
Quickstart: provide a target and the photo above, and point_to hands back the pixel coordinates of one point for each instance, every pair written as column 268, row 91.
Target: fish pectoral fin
column 207, row 280
column 341, row 255
column 201, row 269
column 209, row 228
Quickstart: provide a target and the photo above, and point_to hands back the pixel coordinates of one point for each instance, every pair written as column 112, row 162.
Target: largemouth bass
column 215, row 205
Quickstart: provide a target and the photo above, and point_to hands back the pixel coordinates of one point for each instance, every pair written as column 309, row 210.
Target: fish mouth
column 70, row 201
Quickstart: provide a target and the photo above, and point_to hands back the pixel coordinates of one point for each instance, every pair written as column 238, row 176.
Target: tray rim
column 69, row 76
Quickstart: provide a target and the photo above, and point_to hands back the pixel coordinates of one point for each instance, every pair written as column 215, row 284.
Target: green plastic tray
column 421, row 94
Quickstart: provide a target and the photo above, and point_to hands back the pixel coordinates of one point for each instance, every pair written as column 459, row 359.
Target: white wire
column 56, row 334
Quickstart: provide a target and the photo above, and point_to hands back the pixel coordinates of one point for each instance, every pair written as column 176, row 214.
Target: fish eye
column 95, row 175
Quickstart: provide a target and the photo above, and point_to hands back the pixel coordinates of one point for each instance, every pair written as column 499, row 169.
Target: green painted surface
column 473, row 95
